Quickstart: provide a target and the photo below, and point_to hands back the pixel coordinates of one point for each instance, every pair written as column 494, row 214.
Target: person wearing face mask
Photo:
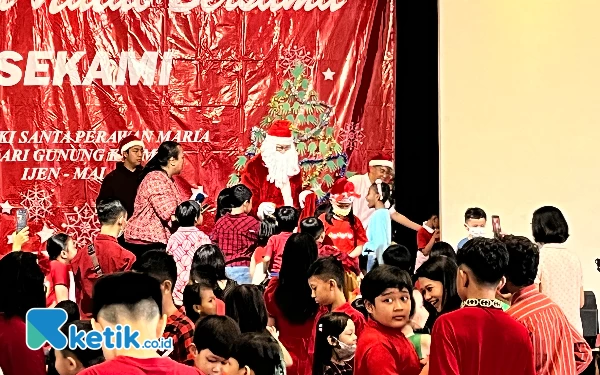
column 342, row 228
column 335, row 345
column 475, row 220
column 104, row 257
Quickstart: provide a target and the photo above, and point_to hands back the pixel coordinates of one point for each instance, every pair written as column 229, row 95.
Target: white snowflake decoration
column 38, row 204
column 352, row 136
column 295, row 55
column 82, row 225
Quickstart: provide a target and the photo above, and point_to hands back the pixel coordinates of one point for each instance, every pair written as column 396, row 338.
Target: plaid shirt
column 236, row 235
column 155, row 204
column 183, row 245
column 181, row 329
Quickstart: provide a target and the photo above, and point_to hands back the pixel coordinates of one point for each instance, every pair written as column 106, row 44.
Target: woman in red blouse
column 157, row 198
column 291, row 308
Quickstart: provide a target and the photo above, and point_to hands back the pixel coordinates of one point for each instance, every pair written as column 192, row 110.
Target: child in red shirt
column 326, row 280
column 382, row 347
column 213, row 341
column 287, row 222
column 61, row 251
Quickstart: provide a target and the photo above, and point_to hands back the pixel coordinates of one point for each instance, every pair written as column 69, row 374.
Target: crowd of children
column 288, row 296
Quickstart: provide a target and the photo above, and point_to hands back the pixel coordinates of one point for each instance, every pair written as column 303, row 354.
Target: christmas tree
column 321, row 156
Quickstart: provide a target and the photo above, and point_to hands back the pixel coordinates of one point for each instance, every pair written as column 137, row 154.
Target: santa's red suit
column 254, row 177
column 278, row 161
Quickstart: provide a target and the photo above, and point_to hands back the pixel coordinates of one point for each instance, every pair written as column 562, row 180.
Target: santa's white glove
column 303, row 195
column 265, row 208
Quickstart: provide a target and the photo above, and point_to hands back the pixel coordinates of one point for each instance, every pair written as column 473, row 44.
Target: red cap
column 280, row 129
column 343, row 192
column 129, row 142
column 382, row 160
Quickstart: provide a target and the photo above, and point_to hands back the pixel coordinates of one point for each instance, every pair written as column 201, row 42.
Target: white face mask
column 345, row 352
column 476, row 232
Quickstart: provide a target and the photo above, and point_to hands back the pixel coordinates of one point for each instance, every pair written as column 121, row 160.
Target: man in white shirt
column 380, row 167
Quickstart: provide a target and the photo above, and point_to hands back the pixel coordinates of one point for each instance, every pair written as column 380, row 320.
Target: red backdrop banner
column 76, row 76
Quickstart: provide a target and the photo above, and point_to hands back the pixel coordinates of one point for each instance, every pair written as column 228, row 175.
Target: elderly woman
column 157, row 198
column 559, row 276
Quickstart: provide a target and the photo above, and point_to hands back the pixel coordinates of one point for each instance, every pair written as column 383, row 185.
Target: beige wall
column 520, row 116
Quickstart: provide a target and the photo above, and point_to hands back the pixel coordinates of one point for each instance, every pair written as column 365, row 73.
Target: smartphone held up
column 496, row 226
column 21, row 219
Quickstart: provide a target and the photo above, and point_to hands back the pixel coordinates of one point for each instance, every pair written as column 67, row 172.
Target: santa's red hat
column 280, row 132
column 382, row 160
column 129, row 142
column 342, row 191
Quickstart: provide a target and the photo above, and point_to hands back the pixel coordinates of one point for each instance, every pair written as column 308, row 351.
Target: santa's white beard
column 280, row 166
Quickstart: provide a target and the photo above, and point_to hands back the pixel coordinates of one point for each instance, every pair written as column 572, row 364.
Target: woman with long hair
column 209, row 264
column 156, row 201
column 22, row 289
column 560, row 275
column 437, row 283
column 289, row 303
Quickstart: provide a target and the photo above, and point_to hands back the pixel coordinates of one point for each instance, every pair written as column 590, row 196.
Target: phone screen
column 21, row 219
column 496, row 226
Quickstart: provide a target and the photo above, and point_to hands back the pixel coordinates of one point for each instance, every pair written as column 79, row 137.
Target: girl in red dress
column 291, row 308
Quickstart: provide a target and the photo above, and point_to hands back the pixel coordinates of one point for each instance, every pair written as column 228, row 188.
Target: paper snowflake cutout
column 38, row 204
column 294, row 56
column 352, row 136
column 82, row 225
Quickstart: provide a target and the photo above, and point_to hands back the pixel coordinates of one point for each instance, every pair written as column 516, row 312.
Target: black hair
column 398, row 256
column 549, row 225
column 328, row 268
column 208, row 263
column 245, row 304
column 323, row 208
column 287, row 218
column 192, row 296
column 312, row 226
column 22, row 283
column 187, row 213
column 475, row 213
column 158, row 264
column 293, row 295
column 165, row 152
column 124, row 296
column 56, row 244
column 88, row 357
column 217, row 334
column 523, row 260
column 486, row 258
column 443, row 270
column 332, row 324
column 386, row 277
column 239, row 195
column 223, row 203
column 443, row 249
column 70, row 308
column 268, row 228
column 386, row 191
column 260, row 352
column 109, row 211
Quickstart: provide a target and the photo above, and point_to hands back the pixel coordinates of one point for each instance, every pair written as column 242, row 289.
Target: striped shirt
column 557, row 346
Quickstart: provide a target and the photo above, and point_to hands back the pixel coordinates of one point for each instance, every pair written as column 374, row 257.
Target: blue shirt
column 379, row 233
column 462, row 243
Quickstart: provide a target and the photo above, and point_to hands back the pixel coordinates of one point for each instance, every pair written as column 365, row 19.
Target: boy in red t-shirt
column 326, row 280
column 427, row 236
column 61, row 251
column 135, row 300
column 382, row 348
column 287, row 221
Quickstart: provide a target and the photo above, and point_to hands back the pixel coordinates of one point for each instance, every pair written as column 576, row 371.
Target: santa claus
column 274, row 175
